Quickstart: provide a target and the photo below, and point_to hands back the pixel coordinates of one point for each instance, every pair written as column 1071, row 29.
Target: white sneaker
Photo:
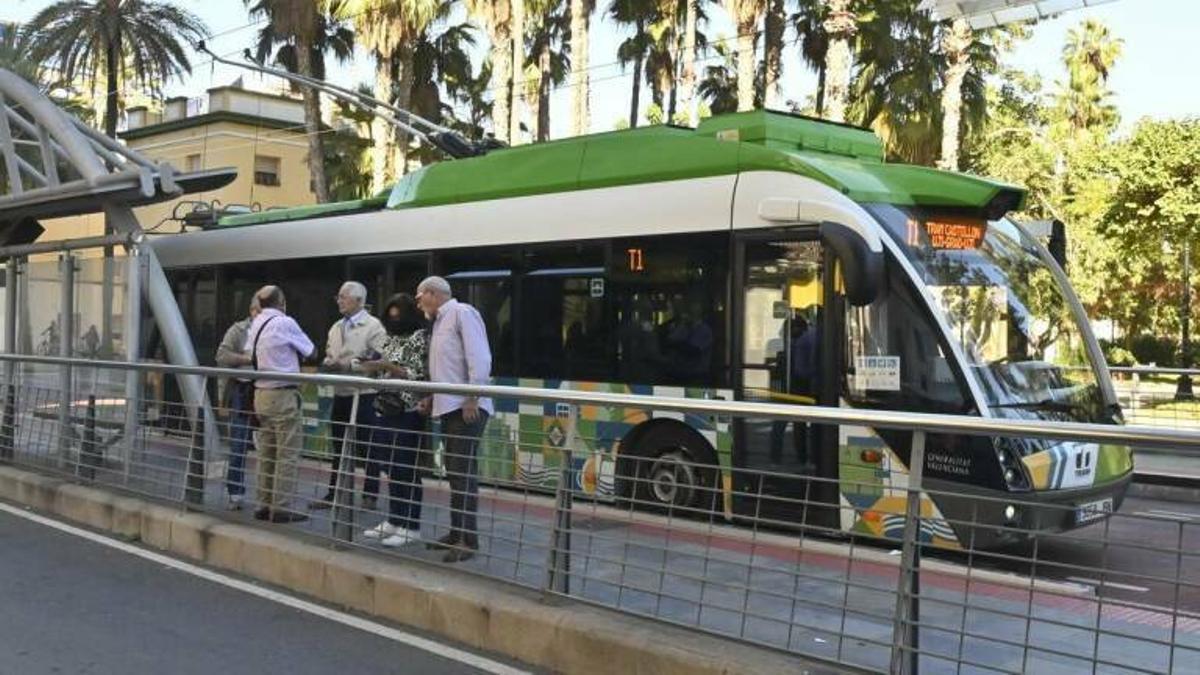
column 380, row 531
column 402, row 537
column 235, row 502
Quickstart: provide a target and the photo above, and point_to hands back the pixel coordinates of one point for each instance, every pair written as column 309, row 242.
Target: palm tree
column 138, row 40
column 15, row 46
column 809, row 24
column 719, row 88
column 517, row 51
column 1089, row 54
column 496, row 17
column 660, row 58
column 841, row 23
column 346, row 151
column 902, row 76
column 746, row 15
column 773, row 29
column 442, row 61
column 299, row 28
column 581, row 18
column 687, row 78
column 549, row 59
column 640, row 15
column 472, row 97
column 387, row 29
column 897, row 88
column 956, row 43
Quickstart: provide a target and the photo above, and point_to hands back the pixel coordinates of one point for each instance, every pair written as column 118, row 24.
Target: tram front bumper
column 988, row 518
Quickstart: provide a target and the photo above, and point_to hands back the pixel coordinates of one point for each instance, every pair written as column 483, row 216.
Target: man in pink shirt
column 276, row 343
column 458, row 354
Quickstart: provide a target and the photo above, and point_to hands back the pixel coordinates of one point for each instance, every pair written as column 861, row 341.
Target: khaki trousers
column 278, row 444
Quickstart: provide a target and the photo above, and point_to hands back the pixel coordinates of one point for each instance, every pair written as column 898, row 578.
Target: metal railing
column 651, row 534
column 1148, row 396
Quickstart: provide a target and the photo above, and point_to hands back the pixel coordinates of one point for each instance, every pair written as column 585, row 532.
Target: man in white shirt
column 458, row 354
column 277, row 344
column 355, row 338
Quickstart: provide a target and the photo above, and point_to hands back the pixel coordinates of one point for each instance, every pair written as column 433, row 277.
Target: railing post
column 193, row 492
column 906, row 635
column 8, row 418
column 89, row 457
column 131, row 335
column 66, row 332
column 558, row 561
column 343, row 489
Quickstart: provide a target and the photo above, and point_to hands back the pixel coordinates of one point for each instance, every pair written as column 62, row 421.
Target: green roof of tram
column 846, row 158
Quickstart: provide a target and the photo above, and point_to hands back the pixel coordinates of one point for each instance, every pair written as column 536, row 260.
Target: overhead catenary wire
column 445, row 139
column 280, row 132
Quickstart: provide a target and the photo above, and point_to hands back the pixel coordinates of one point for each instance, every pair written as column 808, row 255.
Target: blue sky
column 1156, row 77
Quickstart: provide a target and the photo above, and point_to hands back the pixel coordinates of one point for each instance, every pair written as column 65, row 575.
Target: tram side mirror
column 862, row 268
column 1058, row 243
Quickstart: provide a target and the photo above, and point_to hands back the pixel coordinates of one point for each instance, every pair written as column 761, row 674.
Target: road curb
column 559, row 635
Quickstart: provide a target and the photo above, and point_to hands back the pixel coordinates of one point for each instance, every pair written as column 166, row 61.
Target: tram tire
column 673, row 470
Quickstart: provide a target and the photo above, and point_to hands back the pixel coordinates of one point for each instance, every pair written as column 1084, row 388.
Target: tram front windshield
column 1022, row 341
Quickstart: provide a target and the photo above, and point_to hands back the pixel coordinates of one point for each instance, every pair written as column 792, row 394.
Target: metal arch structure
column 53, row 166
column 991, row 13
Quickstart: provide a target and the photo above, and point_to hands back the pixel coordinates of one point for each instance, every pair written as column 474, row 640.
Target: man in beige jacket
column 355, row 338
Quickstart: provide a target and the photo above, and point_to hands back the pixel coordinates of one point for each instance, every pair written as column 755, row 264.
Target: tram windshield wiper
column 1051, row 404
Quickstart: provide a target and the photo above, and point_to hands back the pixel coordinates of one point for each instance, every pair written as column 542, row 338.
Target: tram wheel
column 670, row 470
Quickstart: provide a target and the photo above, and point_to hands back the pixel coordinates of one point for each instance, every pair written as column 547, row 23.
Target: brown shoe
column 447, row 542
column 287, row 517
column 459, row 554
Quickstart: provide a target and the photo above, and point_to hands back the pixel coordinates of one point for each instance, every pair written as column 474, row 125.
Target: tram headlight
column 1010, row 467
column 1010, row 513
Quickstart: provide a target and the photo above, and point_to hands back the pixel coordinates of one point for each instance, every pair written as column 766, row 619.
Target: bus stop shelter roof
column 991, row 13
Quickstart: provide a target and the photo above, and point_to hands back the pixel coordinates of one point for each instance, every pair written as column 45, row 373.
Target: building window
column 266, row 170
column 193, row 163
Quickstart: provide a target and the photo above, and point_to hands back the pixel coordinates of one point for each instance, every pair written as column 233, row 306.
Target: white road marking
column 1110, row 584
column 1176, row 515
column 431, row 646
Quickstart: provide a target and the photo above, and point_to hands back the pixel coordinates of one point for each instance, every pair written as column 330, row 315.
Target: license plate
column 1089, row 511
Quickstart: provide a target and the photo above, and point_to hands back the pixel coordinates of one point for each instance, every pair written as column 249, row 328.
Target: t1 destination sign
column 944, row 235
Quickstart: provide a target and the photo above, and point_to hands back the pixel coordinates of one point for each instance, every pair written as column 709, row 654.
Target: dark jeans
column 462, row 468
column 338, row 422
column 240, row 433
column 800, row 438
column 395, row 449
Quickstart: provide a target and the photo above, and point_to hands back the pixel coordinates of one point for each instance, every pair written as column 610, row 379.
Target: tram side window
column 564, row 324
column 670, row 297
column 309, row 285
column 484, row 280
column 895, row 327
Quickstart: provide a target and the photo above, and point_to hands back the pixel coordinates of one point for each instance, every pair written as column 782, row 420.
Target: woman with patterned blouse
column 396, row 441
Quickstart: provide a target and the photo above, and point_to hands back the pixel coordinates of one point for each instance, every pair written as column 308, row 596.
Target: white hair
column 435, row 284
column 355, row 290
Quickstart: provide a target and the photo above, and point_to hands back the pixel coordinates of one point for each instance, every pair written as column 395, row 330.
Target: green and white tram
column 759, row 257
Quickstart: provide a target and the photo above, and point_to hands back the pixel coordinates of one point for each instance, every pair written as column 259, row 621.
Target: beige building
column 260, row 135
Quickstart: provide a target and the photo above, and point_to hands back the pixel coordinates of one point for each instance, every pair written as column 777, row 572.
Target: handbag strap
column 254, row 348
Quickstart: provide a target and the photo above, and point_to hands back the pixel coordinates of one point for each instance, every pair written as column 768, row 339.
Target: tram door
column 783, row 344
column 385, row 275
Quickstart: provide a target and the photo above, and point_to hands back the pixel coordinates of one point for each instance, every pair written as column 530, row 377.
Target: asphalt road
column 1148, row 553
column 69, row 605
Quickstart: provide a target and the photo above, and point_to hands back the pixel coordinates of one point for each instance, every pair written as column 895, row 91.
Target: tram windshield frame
column 1021, row 336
